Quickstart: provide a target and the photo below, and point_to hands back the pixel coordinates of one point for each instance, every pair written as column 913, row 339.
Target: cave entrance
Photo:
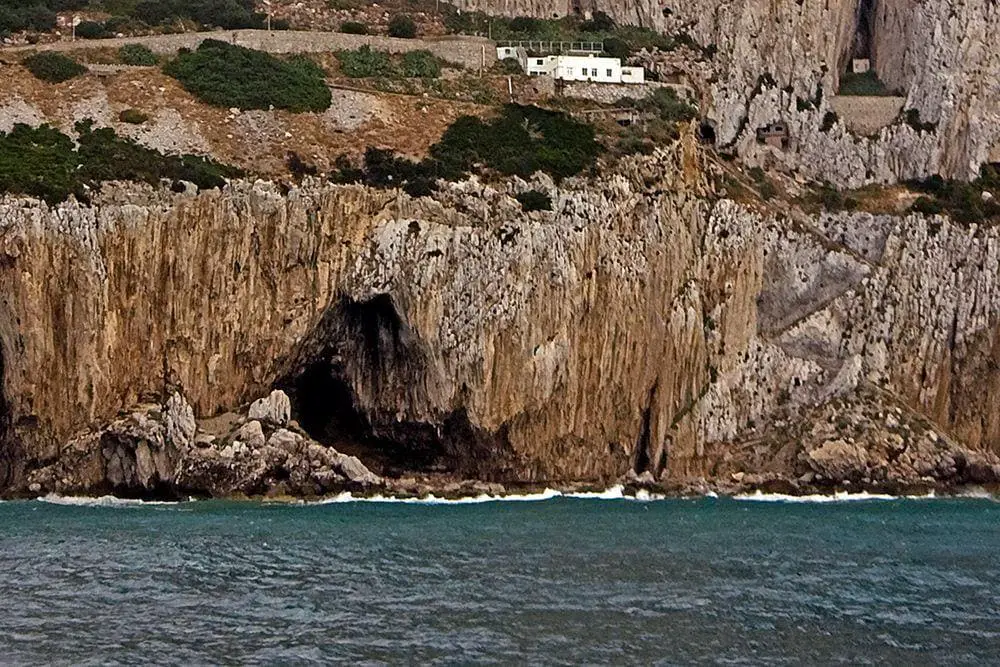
column 862, row 50
column 706, row 133
column 326, row 408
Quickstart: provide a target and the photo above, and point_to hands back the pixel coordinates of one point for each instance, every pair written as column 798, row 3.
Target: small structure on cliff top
column 580, row 62
column 775, row 134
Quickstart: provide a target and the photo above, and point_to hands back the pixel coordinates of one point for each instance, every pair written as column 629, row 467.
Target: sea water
column 561, row 580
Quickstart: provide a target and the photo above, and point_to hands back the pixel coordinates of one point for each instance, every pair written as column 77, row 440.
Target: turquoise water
column 559, row 581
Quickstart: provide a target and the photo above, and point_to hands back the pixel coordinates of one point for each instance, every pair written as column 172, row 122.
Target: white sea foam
column 613, row 493
column 102, row 501
column 837, row 497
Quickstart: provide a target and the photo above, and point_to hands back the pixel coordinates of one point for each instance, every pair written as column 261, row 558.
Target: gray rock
column 252, row 434
column 356, row 471
column 286, row 441
column 275, row 409
column 179, row 421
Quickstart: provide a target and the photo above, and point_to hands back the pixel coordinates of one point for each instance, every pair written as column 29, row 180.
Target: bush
column 403, row 26
column 422, row 64
column 668, row 106
column 600, row 22
column 137, row 54
column 830, row 119
column 508, row 66
column 867, row 85
column 534, row 200
column 133, row 117
column 363, row 63
column 234, row 76
column 522, row 140
column 91, row 30
column 353, row 28
column 53, row 67
column 17, row 16
column 227, row 14
column 298, row 167
column 615, row 47
column 45, row 163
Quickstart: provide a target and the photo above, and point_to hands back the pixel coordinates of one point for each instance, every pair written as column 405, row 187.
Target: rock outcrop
column 642, row 325
column 766, row 62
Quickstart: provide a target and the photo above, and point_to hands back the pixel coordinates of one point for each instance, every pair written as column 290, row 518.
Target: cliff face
column 784, row 61
column 642, row 325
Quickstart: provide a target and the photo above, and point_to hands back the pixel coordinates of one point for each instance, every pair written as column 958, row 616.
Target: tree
column 402, row 26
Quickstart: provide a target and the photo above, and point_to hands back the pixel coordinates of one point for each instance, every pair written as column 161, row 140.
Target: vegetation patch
column 365, row 63
column 133, row 117
column 45, row 163
column 520, row 141
column 225, row 75
column 619, row 41
column 137, row 55
column 36, row 15
column 863, row 85
column 402, row 26
column 534, row 200
column 353, row 28
column 53, row 67
column 912, row 118
column 963, row 202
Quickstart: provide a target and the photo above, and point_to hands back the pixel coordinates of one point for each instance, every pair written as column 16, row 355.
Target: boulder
column 275, row 409
column 252, row 434
column 179, row 417
column 286, row 441
column 354, row 470
column 838, row 460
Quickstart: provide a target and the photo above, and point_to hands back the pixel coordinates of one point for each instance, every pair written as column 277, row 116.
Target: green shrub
column 599, row 22
column 867, row 85
column 353, row 28
column 403, row 26
column 962, row 201
column 91, row 30
column 912, row 118
column 16, row 16
column 363, row 63
column 133, row 117
column 508, row 66
column 53, row 67
column 668, row 106
column 616, row 47
column 234, row 76
column 422, row 64
column 137, row 54
column 534, row 200
column 228, row 14
column 45, row 163
column 830, row 119
column 522, row 140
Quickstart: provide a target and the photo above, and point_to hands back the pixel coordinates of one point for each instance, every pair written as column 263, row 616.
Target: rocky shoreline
column 163, row 452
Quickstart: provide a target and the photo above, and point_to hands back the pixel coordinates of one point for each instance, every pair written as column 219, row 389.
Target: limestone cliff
column 783, row 61
column 643, row 325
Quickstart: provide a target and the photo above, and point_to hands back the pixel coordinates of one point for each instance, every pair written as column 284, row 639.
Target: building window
column 593, row 72
column 610, row 74
column 540, row 62
column 569, row 71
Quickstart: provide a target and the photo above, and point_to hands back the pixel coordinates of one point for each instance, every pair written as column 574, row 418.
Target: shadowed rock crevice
column 11, row 457
column 361, row 362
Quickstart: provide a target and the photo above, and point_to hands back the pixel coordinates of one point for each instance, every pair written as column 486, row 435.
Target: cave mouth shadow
column 10, row 451
column 325, row 407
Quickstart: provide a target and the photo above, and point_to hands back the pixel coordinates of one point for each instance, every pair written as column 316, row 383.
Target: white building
column 588, row 67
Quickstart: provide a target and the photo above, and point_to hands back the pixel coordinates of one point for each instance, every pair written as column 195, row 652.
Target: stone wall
column 466, row 51
column 865, row 116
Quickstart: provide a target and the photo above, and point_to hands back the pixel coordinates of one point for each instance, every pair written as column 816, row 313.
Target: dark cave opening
column 365, row 347
column 706, row 133
column 865, row 31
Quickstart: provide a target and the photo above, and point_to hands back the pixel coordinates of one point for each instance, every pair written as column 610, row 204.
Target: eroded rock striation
column 770, row 62
column 645, row 327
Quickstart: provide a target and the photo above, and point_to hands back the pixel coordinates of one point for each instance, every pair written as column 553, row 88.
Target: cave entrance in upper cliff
column 706, row 133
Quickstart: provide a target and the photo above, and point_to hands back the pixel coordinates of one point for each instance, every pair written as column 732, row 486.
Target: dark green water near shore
column 560, row 581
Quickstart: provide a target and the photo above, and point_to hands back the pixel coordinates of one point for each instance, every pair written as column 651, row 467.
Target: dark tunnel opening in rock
column 326, row 408
column 706, row 132
column 865, row 31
